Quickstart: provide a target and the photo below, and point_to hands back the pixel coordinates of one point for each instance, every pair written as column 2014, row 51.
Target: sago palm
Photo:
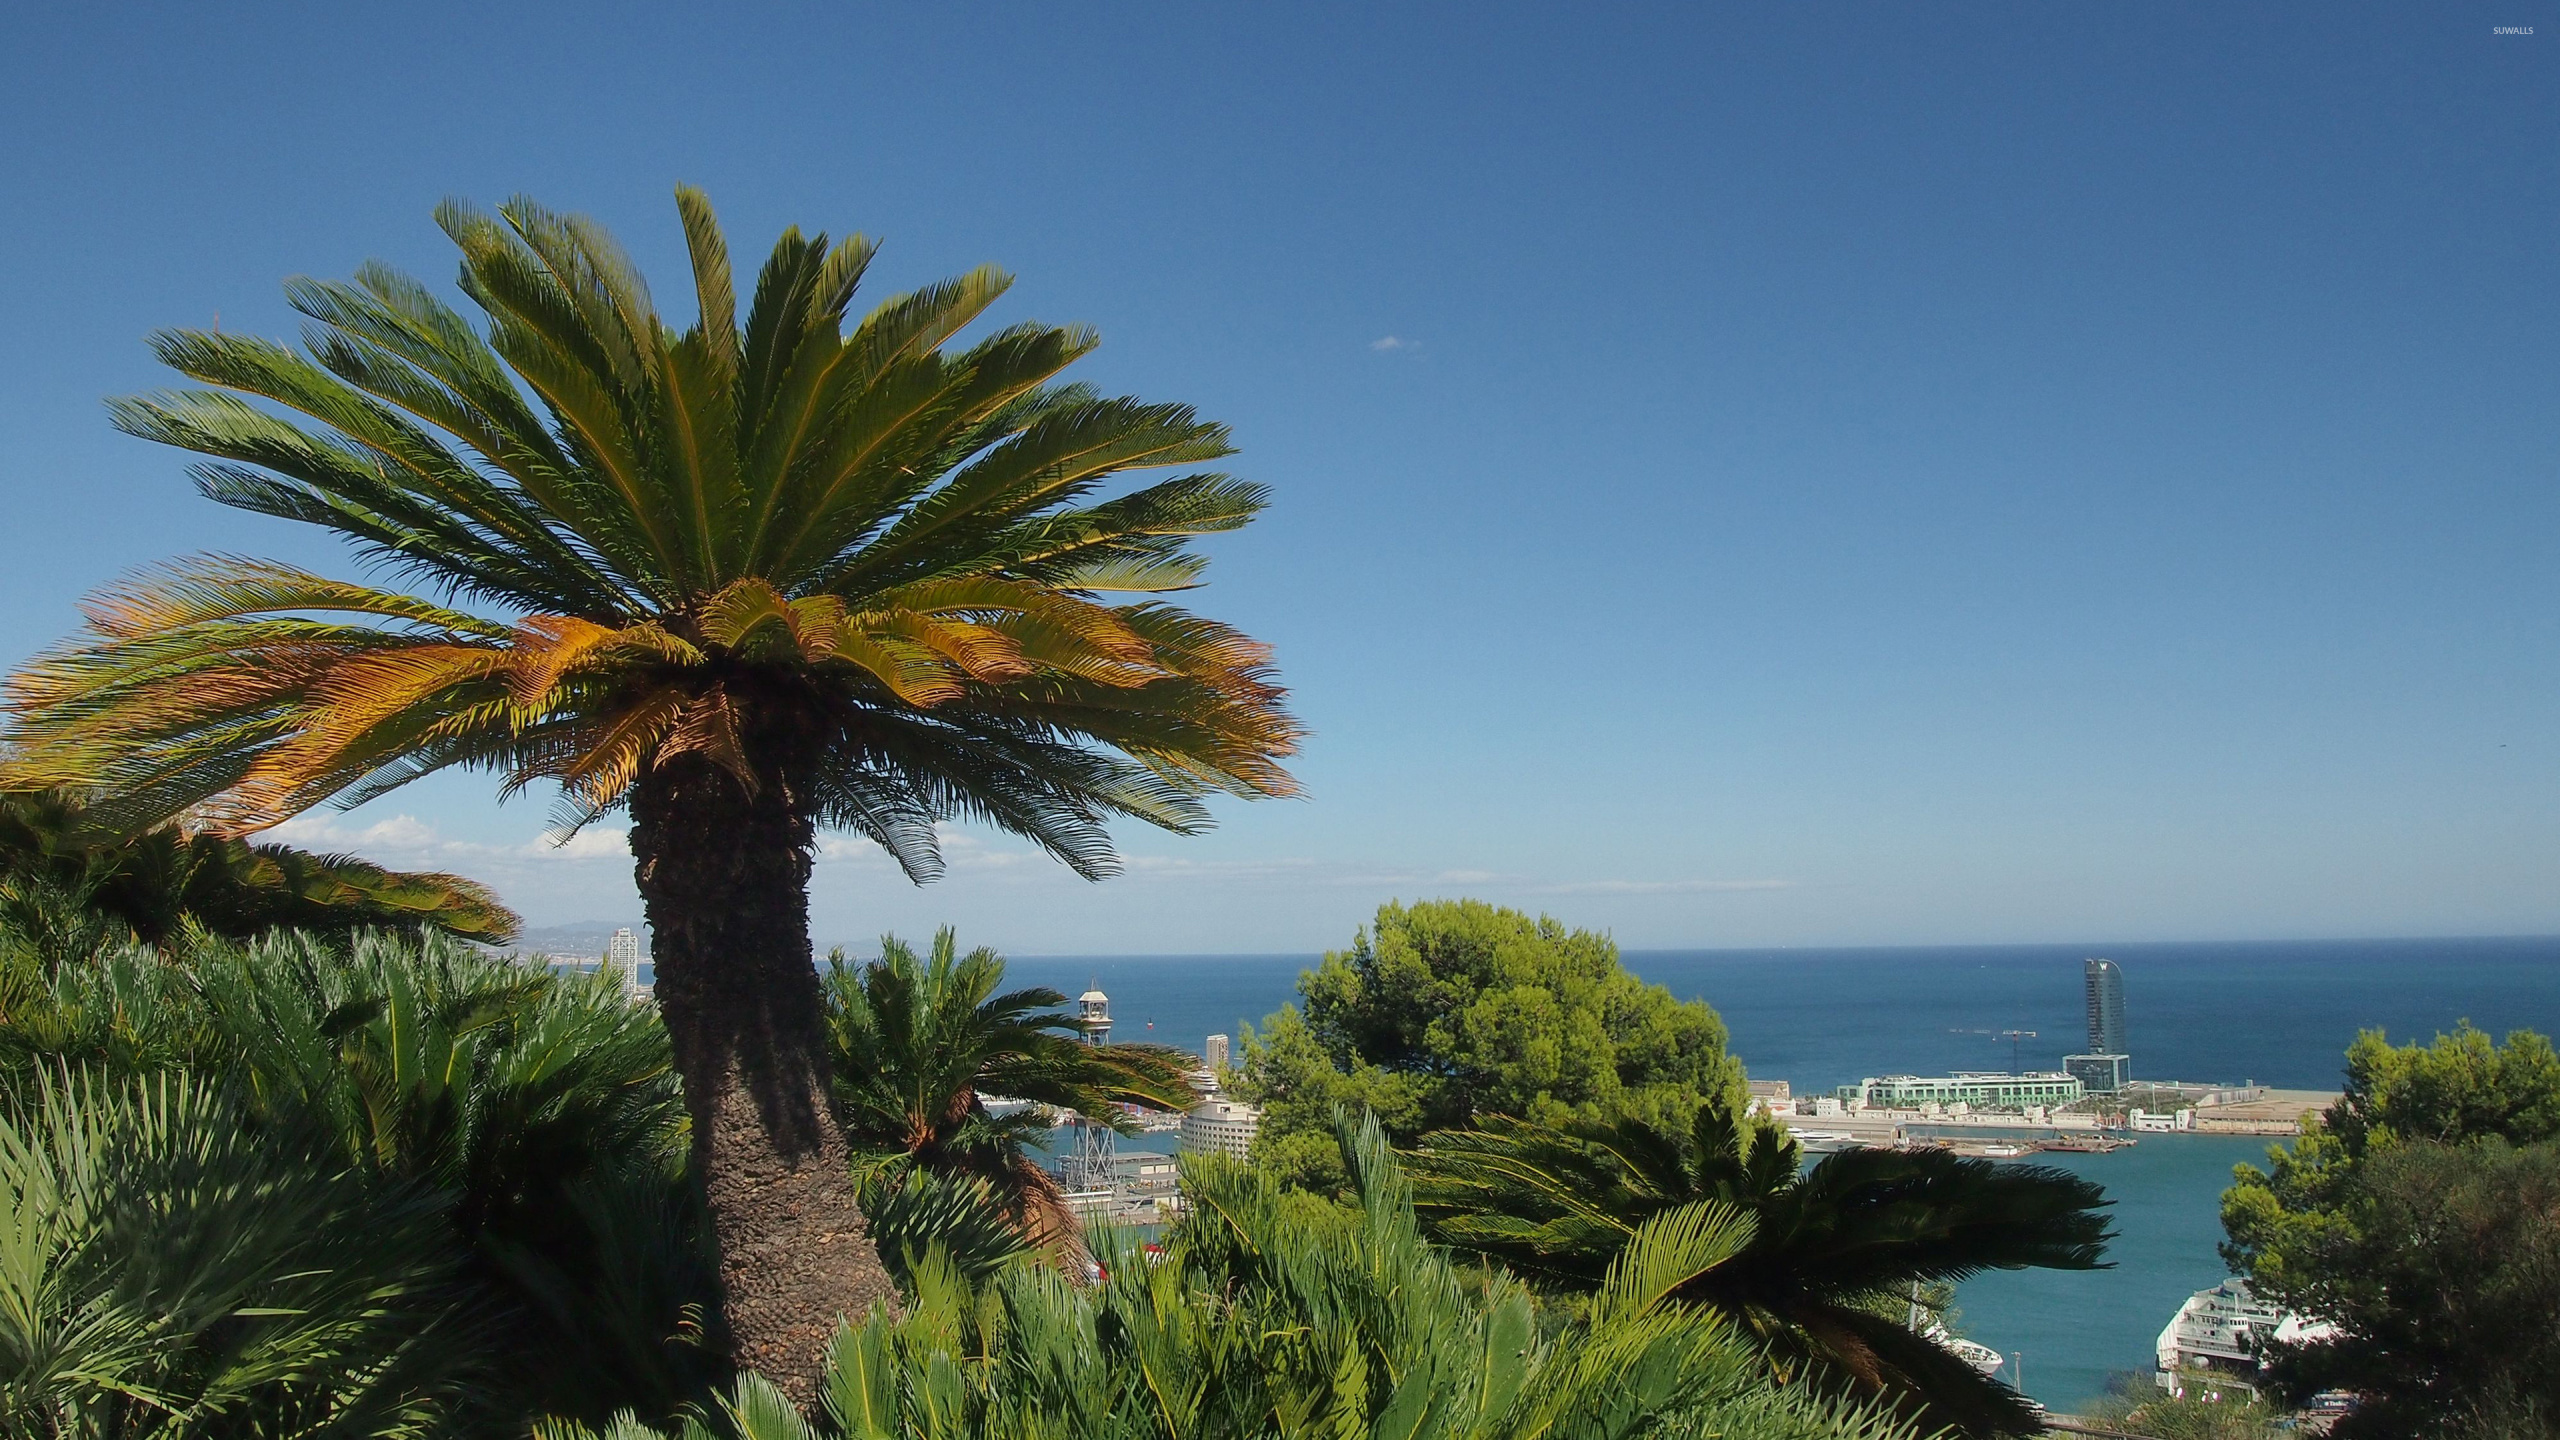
column 1833, row 1247
column 1269, row 1315
column 921, row 1042
column 536, row 1111
column 171, row 1269
column 157, row 881
column 748, row 580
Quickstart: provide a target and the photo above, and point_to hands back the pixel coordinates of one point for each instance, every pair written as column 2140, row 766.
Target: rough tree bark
column 725, row 880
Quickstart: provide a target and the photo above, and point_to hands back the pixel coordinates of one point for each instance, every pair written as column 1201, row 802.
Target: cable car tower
column 1087, row 1165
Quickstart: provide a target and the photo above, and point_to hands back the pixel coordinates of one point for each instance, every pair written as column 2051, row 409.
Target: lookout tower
column 1093, row 1015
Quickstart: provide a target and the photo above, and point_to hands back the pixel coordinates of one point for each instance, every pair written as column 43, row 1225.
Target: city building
column 1215, row 1053
column 1973, row 1089
column 2107, row 1067
column 1772, row 1097
column 2100, row 1074
column 622, row 955
column 2105, row 986
column 1226, row 1127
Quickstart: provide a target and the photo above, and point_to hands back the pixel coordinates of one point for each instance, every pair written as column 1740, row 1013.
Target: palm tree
column 1834, row 1251
column 919, row 1045
column 157, row 881
column 746, row 580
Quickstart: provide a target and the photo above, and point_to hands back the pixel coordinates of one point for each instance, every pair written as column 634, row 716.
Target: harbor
column 2004, row 1134
column 2090, row 1106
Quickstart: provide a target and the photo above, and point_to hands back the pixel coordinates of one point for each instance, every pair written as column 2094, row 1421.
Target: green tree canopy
column 2420, row 1214
column 1445, row 1010
column 2462, row 1088
column 2444, row 1286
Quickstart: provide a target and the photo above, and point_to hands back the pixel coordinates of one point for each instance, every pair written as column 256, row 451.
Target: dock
column 2278, row 1112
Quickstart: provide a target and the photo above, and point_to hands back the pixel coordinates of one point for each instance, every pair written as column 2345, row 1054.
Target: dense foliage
column 57, row 860
column 2443, row 1280
column 1270, row 1315
column 472, row 1168
column 2420, row 1215
column 385, row 1188
column 172, row 1267
column 921, row 1043
column 1446, row 1010
column 1821, row 1259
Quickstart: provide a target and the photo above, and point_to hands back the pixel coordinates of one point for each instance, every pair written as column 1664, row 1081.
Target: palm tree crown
column 921, row 1043
column 850, row 563
column 1830, row 1248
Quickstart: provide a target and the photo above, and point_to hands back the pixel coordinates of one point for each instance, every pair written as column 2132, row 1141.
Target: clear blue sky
column 1759, row 475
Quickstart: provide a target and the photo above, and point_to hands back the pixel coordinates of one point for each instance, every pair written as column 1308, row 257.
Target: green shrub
column 1263, row 1316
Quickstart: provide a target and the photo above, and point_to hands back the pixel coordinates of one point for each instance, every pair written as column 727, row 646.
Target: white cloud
column 1387, row 343
column 596, row 842
column 407, row 841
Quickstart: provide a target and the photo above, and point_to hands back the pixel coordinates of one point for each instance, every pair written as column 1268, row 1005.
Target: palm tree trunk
column 725, row 878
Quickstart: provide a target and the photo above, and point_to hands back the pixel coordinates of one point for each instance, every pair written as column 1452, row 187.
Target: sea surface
column 2280, row 1014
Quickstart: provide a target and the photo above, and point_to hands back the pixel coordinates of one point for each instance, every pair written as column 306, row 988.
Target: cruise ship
column 2220, row 1331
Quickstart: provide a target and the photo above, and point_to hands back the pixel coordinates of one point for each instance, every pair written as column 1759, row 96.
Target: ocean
column 2277, row 1013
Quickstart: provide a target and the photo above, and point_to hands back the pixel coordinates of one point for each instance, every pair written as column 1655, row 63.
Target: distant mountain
column 584, row 937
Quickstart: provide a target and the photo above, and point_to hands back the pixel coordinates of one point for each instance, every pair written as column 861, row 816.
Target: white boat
column 2222, row 1331
column 1972, row 1352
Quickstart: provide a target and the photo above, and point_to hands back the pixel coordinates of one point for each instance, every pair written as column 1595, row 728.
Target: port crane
column 2013, row 1037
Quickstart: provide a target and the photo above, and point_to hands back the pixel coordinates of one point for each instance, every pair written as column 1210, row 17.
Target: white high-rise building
column 1224, row 1126
column 622, row 956
column 1215, row 1052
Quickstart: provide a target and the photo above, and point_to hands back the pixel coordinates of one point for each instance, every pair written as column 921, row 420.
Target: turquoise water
column 2280, row 1014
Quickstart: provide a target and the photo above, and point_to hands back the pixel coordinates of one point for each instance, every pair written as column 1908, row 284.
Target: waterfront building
column 1224, row 1126
column 2100, row 1074
column 1215, row 1053
column 1772, row 1097
column 2104, row 984
column 1973, row 1089
column 1093, row 1016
